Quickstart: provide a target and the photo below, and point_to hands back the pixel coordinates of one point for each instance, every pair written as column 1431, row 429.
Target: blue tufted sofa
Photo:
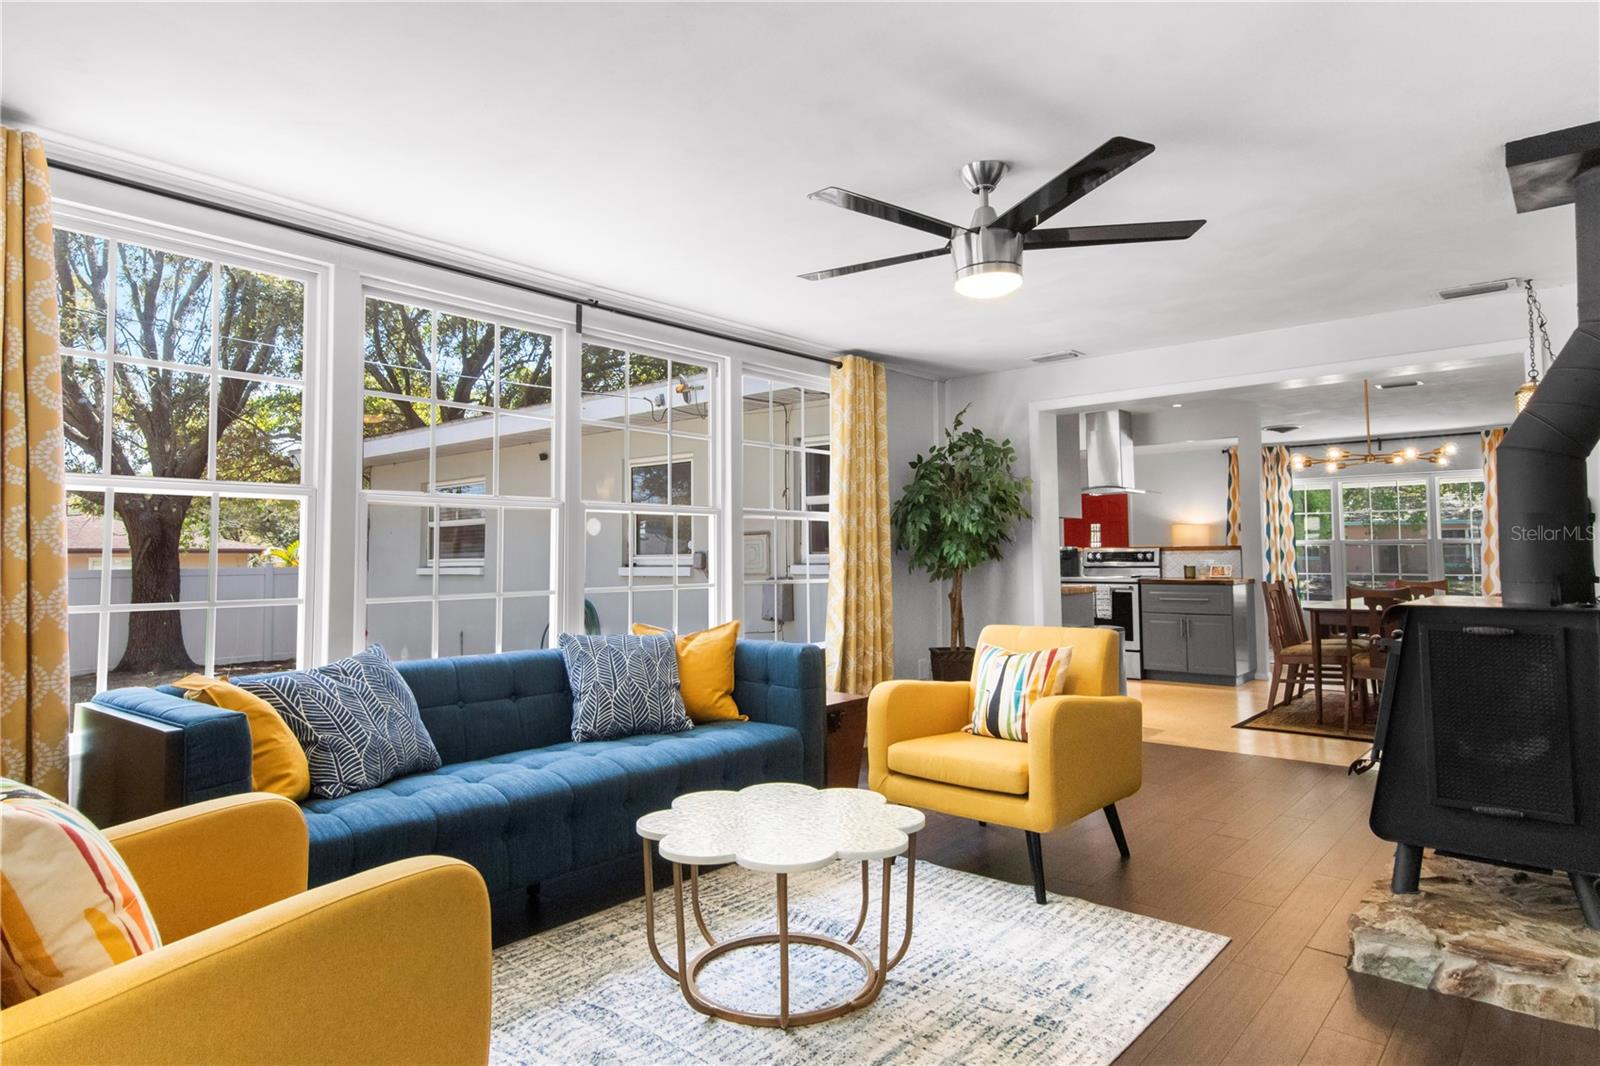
column 516, row 797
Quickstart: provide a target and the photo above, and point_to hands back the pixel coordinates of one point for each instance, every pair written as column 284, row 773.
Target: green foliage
column 285, row 556
column 961, row 504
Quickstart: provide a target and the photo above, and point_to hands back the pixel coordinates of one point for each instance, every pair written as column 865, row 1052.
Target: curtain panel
column 1490, row 440
column 860, row 627
column 1277, row 508
column 1232, row 529
column 33, row 535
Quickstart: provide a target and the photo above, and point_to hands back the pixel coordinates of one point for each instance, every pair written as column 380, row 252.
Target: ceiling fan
column 988, row 251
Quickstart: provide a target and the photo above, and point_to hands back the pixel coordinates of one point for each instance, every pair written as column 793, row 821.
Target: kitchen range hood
column 1106, row 438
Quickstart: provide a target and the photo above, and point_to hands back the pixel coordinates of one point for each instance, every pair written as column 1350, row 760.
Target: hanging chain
column 1536, row 315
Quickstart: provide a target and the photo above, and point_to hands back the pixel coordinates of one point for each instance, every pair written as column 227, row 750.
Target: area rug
column 990, row 977
column 1299, row 715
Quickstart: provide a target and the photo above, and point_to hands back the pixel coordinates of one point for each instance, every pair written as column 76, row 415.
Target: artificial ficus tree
column 959, row 509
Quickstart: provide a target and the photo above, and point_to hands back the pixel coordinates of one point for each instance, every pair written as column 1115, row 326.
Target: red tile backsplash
column 1112, row 514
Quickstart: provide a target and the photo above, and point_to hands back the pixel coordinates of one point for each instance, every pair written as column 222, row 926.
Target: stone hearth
column 1502, row 936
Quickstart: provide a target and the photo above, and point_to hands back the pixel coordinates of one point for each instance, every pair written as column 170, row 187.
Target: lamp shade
column 1189, row 534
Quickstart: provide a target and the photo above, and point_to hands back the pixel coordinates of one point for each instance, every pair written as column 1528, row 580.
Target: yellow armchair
column 388, row 966
column 1082, row 754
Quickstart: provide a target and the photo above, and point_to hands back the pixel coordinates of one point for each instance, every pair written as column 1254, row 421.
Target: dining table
column 1329, row 616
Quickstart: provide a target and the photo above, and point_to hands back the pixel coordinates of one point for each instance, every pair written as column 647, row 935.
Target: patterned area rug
column 990, row 977
column 1299, row 715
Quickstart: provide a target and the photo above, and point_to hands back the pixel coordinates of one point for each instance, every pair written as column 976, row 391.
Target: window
column 785, row 522
column 456, row 403
column 661, row 538
column 1374, row 531
column 462, row 531
column 649, row 486
column 184, row 404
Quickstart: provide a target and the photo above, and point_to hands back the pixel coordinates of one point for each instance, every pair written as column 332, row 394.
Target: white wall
column 921, row 618
column 1190, row 485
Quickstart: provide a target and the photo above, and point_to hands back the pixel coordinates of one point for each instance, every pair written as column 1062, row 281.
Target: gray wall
column 1180, row 486
column 921, row 617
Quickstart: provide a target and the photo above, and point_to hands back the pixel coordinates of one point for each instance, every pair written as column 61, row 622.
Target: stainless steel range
column 1116, row 572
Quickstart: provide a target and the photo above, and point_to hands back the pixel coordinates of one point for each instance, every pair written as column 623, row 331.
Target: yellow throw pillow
column 69, row 906
column 705, row 670
column 277, row 762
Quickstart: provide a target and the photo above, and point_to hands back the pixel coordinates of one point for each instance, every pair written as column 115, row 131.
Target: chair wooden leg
column 1116, row 828
column 1036, row 860
column 1272, row 693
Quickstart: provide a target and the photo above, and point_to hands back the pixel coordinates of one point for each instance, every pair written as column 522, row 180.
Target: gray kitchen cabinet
column 1163, row 644
column 1193, row 631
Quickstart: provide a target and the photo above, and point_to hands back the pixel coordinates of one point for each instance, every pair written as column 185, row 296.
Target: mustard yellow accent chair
column 388, row 966
column 1082, row 753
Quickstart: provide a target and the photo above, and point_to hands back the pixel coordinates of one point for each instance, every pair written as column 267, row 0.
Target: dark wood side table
column 847, row 739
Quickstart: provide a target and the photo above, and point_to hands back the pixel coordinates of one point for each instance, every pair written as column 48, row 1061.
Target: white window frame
column 463, row 566
column 118, row 228
column 816, row 449
column 1339, row 571
column 495, row 506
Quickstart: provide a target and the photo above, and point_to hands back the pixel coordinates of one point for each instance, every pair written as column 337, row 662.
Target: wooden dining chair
column 1365, row 659
column 1293, row 658
column 1426, row 588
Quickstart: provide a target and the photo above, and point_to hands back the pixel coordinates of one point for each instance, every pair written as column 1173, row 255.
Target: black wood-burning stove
column 1489, row 731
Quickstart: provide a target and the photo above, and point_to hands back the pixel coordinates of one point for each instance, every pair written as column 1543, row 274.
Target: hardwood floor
column 1274, row 854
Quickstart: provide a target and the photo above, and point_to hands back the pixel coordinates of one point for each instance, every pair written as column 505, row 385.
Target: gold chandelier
column 1336, row 458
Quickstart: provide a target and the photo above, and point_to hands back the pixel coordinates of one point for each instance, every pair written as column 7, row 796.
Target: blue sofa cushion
column 623, row 686
column 478, row 706
column 522, row 817
column 355, row 718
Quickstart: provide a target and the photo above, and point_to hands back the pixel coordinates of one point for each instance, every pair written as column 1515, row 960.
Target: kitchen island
column 1077, row 605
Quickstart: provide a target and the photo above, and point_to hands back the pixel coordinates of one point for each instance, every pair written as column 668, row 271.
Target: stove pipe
column 1546, row 520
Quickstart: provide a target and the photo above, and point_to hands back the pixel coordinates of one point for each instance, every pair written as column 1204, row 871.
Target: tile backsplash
column 1173, row 560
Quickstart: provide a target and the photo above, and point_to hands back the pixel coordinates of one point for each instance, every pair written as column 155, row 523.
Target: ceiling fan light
column 986, row 281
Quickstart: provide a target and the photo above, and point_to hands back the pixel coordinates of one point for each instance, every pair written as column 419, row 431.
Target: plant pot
column 951, row 664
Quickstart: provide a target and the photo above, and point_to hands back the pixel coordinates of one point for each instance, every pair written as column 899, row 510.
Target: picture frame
column 757, row 552
column 1220, row 570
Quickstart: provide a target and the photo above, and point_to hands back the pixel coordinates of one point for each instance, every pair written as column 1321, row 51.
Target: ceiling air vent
column 1395, row 384
column 1480, row 288
column 1057, row 357
column 1285, row 428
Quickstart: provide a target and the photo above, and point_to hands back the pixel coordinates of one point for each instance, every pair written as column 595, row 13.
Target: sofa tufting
column 515, row 796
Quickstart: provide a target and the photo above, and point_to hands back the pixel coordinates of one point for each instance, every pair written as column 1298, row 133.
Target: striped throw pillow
column 1007, row 682
column 68, row 905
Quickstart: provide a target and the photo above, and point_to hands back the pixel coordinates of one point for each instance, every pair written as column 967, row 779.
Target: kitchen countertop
column 1077, row 590
column 1197, row 581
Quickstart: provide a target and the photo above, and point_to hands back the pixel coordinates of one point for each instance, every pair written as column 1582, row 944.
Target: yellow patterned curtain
column 33, row 536
column 1277, row 497
column 860, row 608
column 1233, row 496
column 1490, row 440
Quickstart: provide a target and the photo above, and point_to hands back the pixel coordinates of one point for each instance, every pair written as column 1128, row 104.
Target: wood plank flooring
column 1275, row 854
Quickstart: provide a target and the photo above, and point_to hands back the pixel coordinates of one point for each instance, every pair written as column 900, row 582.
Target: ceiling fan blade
column 1074, row 183
column 904, row 216
column 856, row 268
column 1131, row 233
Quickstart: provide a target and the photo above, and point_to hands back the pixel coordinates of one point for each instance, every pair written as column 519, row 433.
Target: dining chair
column 1293, row 658
column 1426, row 588
column 1365, row 659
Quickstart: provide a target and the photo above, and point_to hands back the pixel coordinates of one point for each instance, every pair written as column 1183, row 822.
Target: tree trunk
column 958, row 620
column 154, row 526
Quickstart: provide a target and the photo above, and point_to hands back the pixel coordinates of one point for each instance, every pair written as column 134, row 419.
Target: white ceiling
column 1452, row 396
column 1348, row 157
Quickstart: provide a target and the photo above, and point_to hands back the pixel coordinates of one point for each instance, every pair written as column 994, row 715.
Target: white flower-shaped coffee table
column 779, row 828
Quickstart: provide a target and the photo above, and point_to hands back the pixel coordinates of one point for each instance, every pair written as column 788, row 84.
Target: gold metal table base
column 687, row 970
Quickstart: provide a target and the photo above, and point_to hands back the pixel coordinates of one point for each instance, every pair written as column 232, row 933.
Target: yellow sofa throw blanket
column 705, row 670
column 68, row 904
column 1007, row 682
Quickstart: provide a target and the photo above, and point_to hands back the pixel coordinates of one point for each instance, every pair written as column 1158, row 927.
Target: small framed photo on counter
column 1220, row 570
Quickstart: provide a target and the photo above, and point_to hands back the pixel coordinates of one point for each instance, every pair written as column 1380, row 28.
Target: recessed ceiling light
column 1177, row 405
column 1395, row 384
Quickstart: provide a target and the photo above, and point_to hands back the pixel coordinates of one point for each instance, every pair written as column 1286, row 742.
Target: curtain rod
column 580, row 302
